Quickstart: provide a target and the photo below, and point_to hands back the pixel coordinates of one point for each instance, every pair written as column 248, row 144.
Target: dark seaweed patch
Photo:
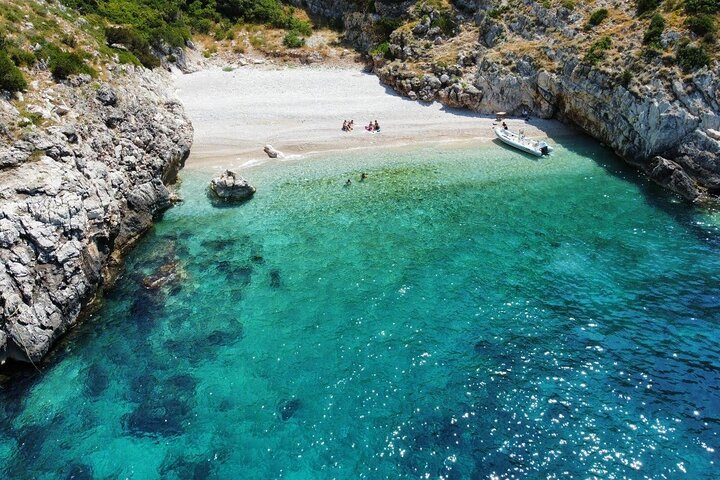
column 289, row 408
column 481, row 346
column 220, row 338
column 31, row 440
column 96, row 381
column 449, row 473
column 183, row 382
column 79, row 471
column 142, row 386
column 146, row 305
column 186, row 469
column 225, row 244
column 235, row 274
column 275, row 281
column 157, row 417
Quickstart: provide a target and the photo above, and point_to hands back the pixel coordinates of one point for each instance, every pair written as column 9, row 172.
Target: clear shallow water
column 461, row 314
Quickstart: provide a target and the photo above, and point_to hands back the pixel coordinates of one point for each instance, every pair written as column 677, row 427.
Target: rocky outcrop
column 76, row 192
column 531, row 57
column 230, row 187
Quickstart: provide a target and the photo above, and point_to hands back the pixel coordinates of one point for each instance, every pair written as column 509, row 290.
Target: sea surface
column 462, row 313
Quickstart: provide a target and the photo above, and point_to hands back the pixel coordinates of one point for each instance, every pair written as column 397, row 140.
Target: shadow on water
column 680, row 210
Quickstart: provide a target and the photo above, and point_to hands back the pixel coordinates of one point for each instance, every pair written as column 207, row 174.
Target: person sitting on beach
column 377, row 126
column 370, row 127
column 345, row 127
column 351, row 125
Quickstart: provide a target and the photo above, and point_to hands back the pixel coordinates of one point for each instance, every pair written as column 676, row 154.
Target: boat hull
column 521, row 143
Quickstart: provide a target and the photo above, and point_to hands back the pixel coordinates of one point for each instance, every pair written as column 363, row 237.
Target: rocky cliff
column 85, row 166
column 626, row 79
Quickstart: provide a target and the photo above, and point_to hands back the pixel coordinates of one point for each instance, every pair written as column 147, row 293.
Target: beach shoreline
column 299, row 110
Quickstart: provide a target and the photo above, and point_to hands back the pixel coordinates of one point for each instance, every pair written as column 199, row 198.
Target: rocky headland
column 76, row 191
column 644, row 83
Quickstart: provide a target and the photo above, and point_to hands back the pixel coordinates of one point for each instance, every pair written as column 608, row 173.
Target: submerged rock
column 289, row 408
column 157, row 418
column 97, row 381
column 275, row 281
column 231, row 187
column 168, row 274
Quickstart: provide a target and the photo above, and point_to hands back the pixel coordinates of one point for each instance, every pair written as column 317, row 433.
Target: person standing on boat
column 505, row 126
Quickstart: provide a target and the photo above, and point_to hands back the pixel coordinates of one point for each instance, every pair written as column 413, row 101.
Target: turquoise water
column 460, row 314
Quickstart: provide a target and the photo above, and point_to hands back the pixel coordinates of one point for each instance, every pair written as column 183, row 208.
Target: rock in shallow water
column 289, row 408
column 231, row 187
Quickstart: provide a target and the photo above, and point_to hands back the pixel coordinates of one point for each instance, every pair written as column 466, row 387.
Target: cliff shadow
column 682, row 211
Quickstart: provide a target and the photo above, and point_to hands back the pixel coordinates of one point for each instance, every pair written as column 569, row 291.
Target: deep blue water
column 460, row 314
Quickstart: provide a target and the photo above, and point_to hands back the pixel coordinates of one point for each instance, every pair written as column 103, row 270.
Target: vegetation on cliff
column 127, row 31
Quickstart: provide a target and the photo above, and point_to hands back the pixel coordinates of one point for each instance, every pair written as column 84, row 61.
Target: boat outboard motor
column 544, row 148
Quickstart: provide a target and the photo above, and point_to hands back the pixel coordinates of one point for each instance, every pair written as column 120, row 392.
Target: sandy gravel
column 300, row 110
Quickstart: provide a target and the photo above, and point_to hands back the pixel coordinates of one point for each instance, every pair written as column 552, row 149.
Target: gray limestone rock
column 231, row 187
column 107, row 96
column 73, row 196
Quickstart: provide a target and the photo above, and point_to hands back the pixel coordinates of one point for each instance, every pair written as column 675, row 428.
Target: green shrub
column 596, row 18
column 597, row 50
column 691, row 58
column 654, row 31
column 569, row 4
column 644, row 6
column 382, row 50
column 385, row 26
column 270, row 12
column 19, row 56
column 445, row 22
column 701, row 24
column 626, row 78
column 126, row 57
column 134, row 42
column 69, row 40
column 11, row 78
column 63, row 64
column 300, row 26
column 293, row 40
column 202, row 25
column 499, row 12
column 702, row 6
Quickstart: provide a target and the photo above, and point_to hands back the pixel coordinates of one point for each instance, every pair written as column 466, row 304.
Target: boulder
column 231, row 187
column 272, row 153
column 671, row 175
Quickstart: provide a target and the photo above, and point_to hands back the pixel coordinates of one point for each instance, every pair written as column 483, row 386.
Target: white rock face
column 74, row 194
